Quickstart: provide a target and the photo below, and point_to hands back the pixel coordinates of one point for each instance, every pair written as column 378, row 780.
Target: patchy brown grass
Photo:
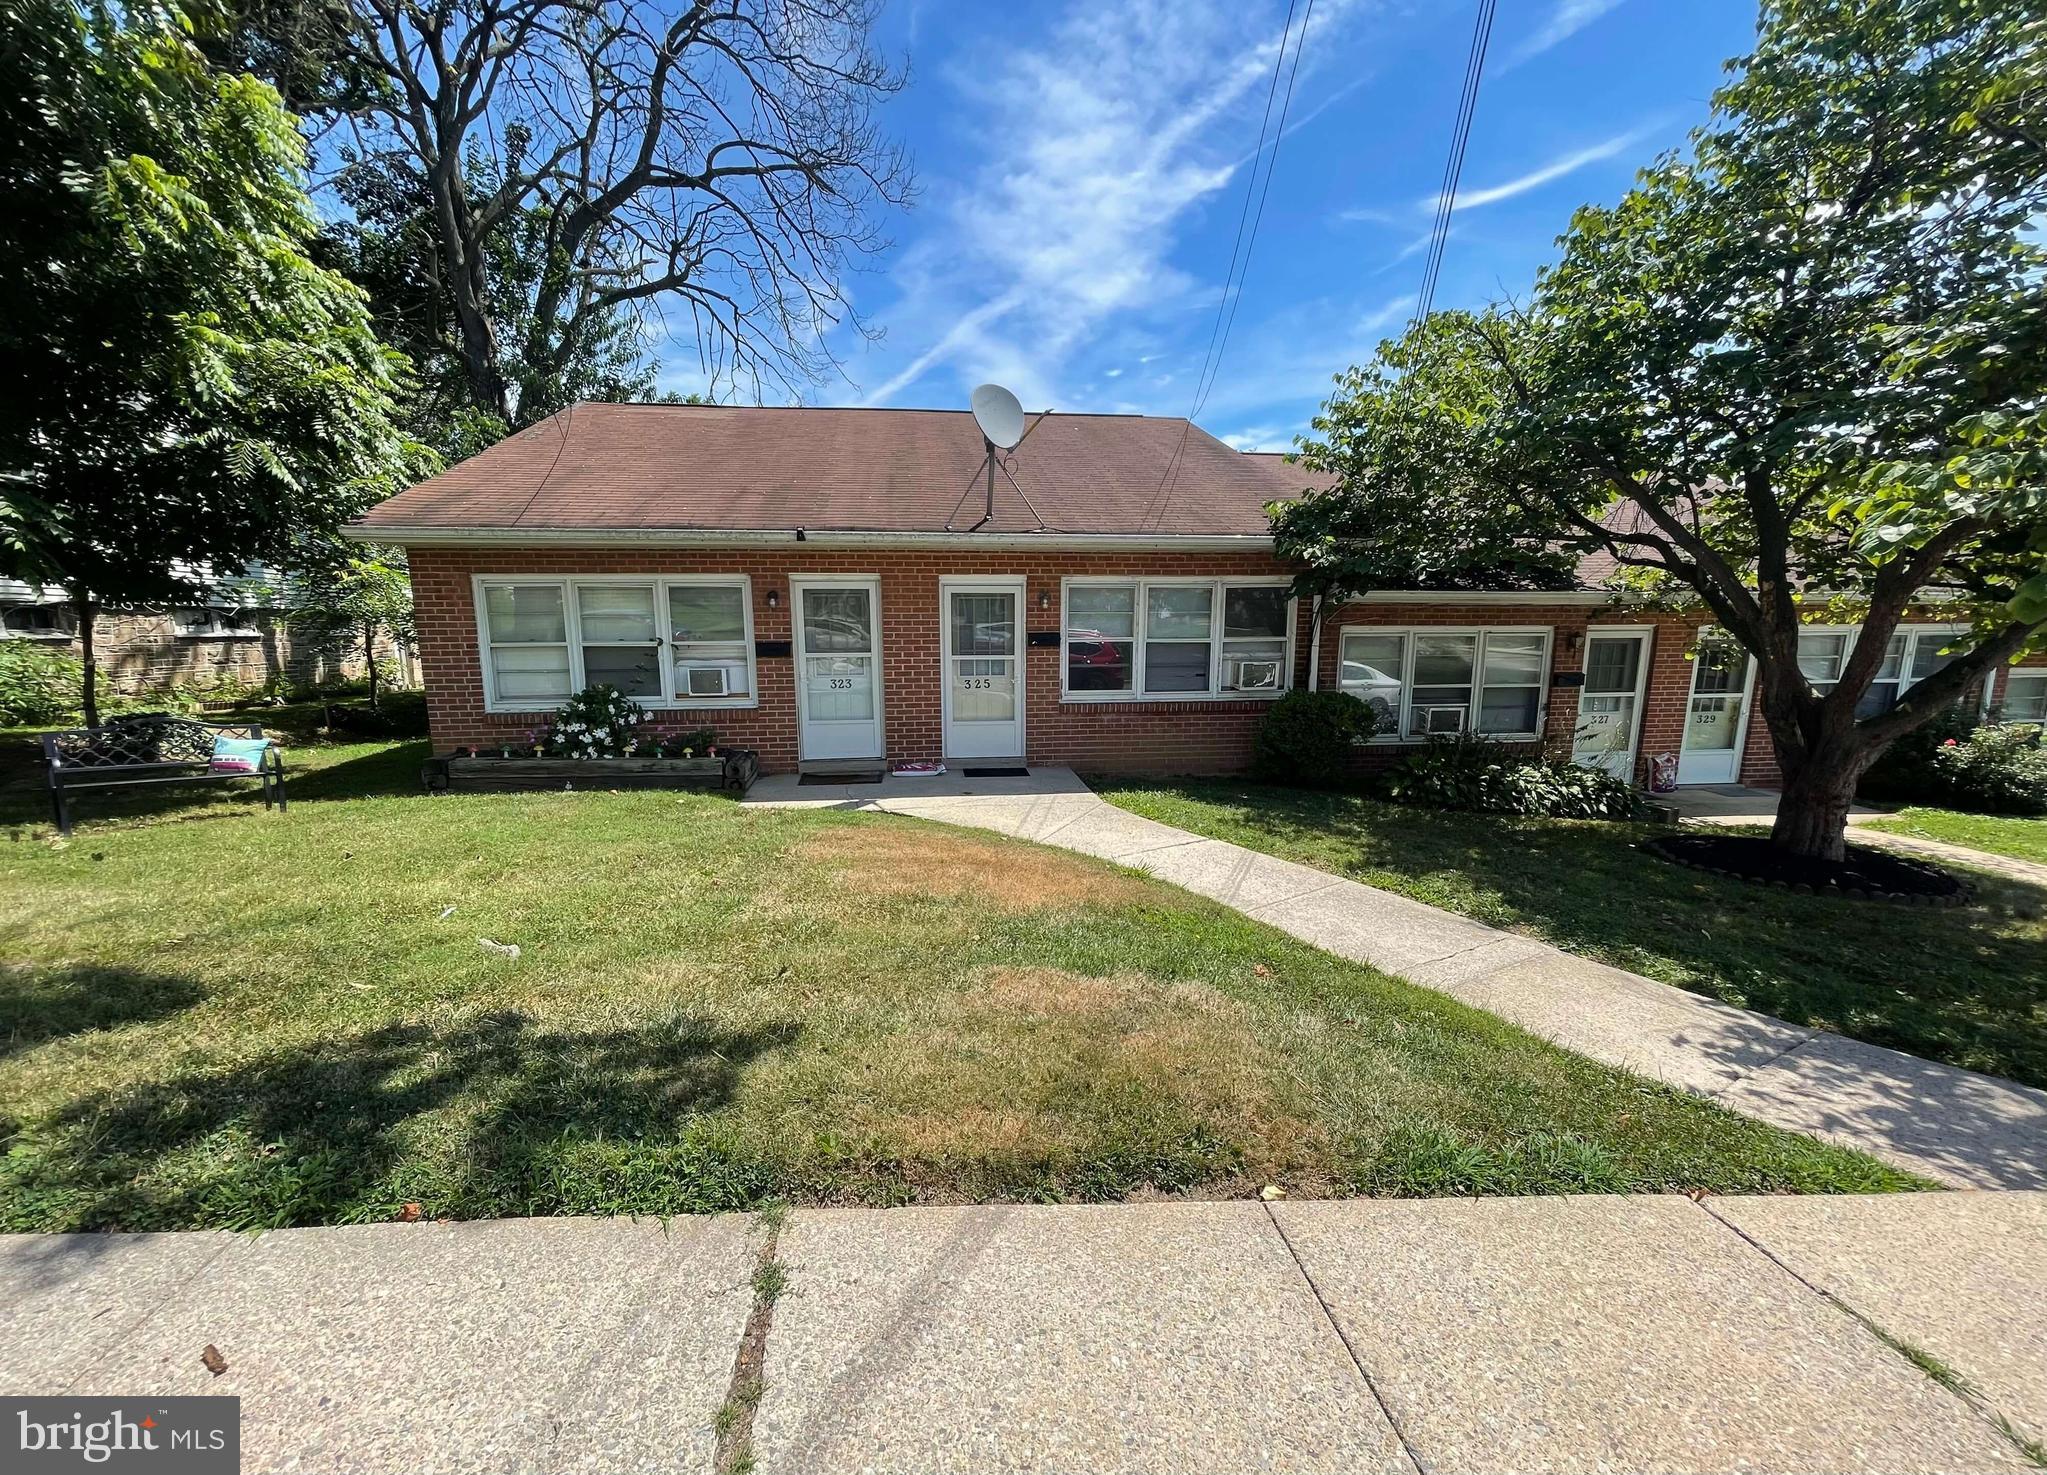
column 1027, row 1058
column 900, row 861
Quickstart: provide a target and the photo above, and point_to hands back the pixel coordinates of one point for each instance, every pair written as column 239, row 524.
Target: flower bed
column 732, row 769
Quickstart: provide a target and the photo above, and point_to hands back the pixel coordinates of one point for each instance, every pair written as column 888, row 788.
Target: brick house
column 837, row 587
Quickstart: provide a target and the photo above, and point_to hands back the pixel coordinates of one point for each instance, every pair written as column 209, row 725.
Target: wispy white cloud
column 1571, row 163
column 1386, row 316
column 1100, row 145
column 1367, row 215
column 1260, row 438
column 1566, row 19
column 1408, row 252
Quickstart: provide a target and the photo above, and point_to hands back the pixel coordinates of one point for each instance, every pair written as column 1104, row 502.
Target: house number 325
column 976, row 683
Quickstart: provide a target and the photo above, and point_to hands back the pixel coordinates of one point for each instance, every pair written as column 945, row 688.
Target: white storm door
column 983, row 675
column 1717, row 719
column 838, row 668
column 1610, row 702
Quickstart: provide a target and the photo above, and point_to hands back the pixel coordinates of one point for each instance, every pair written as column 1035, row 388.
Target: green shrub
column 1998, row 770
column 1957, row 762
column 40, row 685
column 1469, row 771
column 1309, row 737
column 1904, row 773
column 600, row 721
column 398, row 714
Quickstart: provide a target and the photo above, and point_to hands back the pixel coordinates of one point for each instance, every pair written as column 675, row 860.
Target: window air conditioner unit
column 707, row 681
column 1437, row 720
column 1257, row 675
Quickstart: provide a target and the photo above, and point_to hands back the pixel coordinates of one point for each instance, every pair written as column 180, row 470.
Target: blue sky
column 1083, row 167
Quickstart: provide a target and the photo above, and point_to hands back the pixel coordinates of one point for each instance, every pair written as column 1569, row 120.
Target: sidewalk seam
column 1959, row 1388
column 1329, row 1315
column 733, row 1426
column 1753, row 1071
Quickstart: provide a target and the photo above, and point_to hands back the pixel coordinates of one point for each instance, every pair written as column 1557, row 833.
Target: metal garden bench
column 148, row 748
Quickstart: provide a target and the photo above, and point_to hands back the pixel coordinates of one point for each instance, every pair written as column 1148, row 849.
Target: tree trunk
column 89, row 699
column 1812, row 815
column 369, row 657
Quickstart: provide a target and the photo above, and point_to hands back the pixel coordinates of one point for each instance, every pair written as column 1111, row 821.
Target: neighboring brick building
column 221, row 644
column 840, row 587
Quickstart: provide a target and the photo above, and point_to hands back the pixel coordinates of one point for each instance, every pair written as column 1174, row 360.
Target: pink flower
column 1949, row 743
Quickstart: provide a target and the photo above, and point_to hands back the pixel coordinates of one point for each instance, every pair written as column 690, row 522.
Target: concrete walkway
column 1736, row 804
column 1952, row 1125
column 1640, row 1334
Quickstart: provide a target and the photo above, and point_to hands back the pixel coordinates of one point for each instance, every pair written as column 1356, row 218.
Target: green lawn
column 1967, row 985
column 211, row 1015
column 2021, row 839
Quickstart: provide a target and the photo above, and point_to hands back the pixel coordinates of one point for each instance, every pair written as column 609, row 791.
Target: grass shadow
column 38, row 1005
column 494, row 1116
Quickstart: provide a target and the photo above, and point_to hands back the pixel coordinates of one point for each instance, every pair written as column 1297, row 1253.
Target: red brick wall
column 1154, row 737
column 1666, row 697
column 1162, row 737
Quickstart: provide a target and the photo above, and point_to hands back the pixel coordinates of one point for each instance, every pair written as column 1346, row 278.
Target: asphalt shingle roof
column 689, row 467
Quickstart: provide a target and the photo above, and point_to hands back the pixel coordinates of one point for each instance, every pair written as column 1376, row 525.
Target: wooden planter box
column 734, row 770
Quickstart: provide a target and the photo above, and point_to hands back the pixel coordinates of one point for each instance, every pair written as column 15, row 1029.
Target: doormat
column 996, row 772
column 866, row 776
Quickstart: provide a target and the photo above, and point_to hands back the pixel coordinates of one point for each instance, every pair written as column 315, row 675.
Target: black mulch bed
column 1866, row 875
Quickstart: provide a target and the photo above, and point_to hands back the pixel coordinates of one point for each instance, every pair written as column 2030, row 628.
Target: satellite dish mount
column 1001, row 419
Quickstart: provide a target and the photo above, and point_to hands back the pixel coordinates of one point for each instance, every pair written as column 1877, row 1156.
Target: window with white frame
column 2022, row 696
column 1913, row 653
column 683, row 642
column 213, row 624
column 1430, row 683
column 1133, row 638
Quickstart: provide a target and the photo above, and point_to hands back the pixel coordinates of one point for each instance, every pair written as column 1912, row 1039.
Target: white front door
column 983, row 669
column 1717, row 720
column 1610, row 702
column 838, row 667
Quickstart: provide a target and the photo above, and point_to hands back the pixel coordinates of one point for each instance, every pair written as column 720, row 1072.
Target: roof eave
column 422, row 536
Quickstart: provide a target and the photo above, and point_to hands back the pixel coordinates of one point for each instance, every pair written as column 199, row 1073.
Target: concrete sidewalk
column 1953, row 1125
column 1643, row 1334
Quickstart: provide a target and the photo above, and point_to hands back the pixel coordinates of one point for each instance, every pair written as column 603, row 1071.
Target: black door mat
column 871, row 776
column 996, row 772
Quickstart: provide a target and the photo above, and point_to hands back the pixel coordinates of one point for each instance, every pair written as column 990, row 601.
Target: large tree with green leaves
column 181, row 387
column 1804, row 368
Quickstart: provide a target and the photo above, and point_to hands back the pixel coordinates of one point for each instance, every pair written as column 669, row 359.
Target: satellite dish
column 999, row 415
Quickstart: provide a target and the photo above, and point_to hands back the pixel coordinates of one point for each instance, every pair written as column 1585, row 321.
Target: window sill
column 225, row 635
column 1394, row 740
column 45, row 637
column 1138, row 698
column 544, row 709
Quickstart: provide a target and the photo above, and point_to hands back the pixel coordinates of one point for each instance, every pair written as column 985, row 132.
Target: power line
column 1453, row 166
column 1226, row 307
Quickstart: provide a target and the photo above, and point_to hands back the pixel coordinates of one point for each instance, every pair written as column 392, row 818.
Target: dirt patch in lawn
column 906, row 861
